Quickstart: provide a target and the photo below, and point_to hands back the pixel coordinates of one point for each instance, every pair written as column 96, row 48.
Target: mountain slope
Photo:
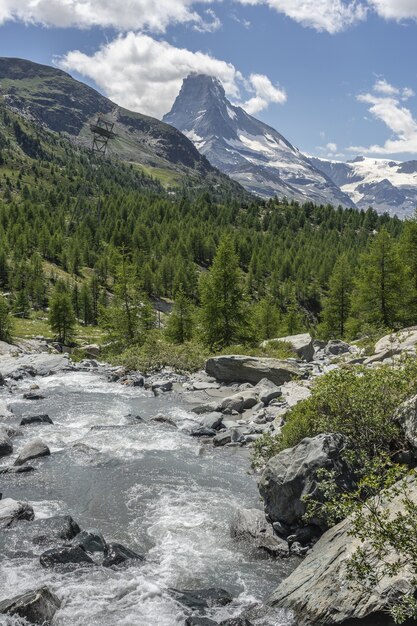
column 248, row 150
column 58, row 102
column 385, row 185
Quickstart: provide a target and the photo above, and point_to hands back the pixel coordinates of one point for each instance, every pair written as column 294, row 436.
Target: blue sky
column 336, row 77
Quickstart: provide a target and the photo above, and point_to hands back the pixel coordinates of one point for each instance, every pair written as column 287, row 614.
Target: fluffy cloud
column 395, row 9
column 144, row 74
column 265, row 93
column 385, row 105
column 332, row 16
column 154, row 15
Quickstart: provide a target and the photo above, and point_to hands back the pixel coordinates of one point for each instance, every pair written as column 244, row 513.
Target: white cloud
column 332, row 16
column 154, row 15
column 145, row 75
column 208, row 25
column 265, row 94
column 395, row 9
column 331, row 147
column 385, row 105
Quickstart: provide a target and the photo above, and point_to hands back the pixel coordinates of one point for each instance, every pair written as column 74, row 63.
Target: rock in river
column 246, row 369
column 65, row 555
column 199, row 599
column 292, row 474
column 37, row 607
column 12, row 511
column 116, row 554
column 36, row 419
column 91, row 541
column 33, row 450
column 6, row 446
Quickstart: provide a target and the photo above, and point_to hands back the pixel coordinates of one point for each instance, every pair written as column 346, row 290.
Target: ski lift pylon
column 102, row 131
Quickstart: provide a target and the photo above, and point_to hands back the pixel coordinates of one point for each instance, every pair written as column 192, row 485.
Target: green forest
column 95, row 242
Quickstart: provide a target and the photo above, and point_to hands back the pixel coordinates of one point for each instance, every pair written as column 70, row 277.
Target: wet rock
column 11, row 511
column 32, row 395
column 301, row 344
column 236, row 368
column 213, row 421
column 6, row 446
column 305, row 535
column 251, row 525
column 33, row 450
column 4, row 410
column 34, row 365
column 292, row 474
column 2, row 381
column 65, row 555
column 117, row 554
column 200, row 621
column 200, row 599
column 162, row 385
column 297, row 549
column 52, row 528
column 24, row 469
column 163, row 419
column 202, row 385
column 222, row 439
column 209, row 407
column 91, row 540
column 236, row 621
column 202, row 431
column 37, row 607
column 35, row 420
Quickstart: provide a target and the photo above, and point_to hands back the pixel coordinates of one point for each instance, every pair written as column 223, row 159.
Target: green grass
column 37, row 326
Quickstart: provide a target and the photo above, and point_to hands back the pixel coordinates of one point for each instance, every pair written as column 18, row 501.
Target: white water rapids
column 144, row 484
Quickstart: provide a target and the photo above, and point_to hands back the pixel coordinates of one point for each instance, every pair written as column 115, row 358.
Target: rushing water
column 144, row 484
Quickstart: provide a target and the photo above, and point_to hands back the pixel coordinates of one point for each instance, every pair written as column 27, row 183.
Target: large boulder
column 34, row 365
column 35, row 420
column 318, row 590
column 200, row 599
column 247, row 369
column 51, row 529
column 33, row 450
column 37, row 607
column 406, row 416
column 301, row 344
column 71, row 556
column 11, row 511
column 403, row 341
column 116, row 554
column 292, row 474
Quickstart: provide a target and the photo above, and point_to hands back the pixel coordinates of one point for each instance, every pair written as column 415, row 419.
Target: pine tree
column 6, row 322
column 61, row 313
column 381, row 284
column 336, row 308
column 224, row 314
column 179, row 328
column 267, row 319
column 86, row 305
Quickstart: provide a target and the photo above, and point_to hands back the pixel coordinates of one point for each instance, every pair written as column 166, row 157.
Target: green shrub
column 357, row 402
column 157, row 353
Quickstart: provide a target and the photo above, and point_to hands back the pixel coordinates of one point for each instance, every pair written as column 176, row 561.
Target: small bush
column 357, row 402
column 157, row 353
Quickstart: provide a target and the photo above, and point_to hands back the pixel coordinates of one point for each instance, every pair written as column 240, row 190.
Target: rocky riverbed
column 121, row 462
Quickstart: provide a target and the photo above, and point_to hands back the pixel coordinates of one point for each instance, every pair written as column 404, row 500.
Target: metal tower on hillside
column 102, row 132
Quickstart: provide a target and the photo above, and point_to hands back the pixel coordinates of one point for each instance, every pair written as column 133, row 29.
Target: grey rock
column 297, row 549
column 213, row 421
column 163, row 419
column 406, row 416
column 91, row 540
column 267, row 391
column 318, row 591
column 23, row 469
column 251, row 525
column 199, row 385
column 34, row 365
column 92, row 350
column 6, row 446
column 209, row 407
column 233, row 403
column 36, row 419
column 116, row 554
column 162, row 385
column 403, row 341
column 33, row 450
column 335, row 347
column 50, row 529
column 31, row 395
column 202, row 431
column 236, row 368
column 12, row 511
column 37, row 607
column 301, row 344
column 65, row 555
column 200, row 621
column 200, row 599
column 2, row 381
column 222, row 439
column 292, row 474
column 236, row 621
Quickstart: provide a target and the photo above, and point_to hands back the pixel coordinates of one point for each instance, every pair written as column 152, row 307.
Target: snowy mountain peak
column 246, row 149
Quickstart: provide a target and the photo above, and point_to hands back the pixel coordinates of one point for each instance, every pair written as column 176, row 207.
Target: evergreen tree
column 61, row 313
column 267, row 319
column 336, row 308
column 381, row 285
column 224, row 314
column 179, row 328
column 6, row 322
column 86, row 305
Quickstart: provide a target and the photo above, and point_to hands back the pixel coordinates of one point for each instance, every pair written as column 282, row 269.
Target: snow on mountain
column 385, row 185
column 248, row 150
